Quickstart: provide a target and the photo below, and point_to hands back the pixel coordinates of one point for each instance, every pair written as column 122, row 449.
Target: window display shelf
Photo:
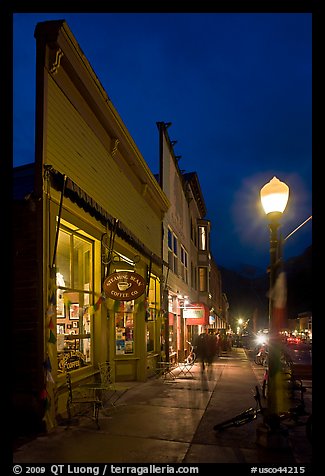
column 76, row 336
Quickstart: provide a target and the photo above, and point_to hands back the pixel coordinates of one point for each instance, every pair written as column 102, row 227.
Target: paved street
column 171, row 421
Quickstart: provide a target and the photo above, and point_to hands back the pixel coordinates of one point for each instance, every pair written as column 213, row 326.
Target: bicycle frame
column 192, row 355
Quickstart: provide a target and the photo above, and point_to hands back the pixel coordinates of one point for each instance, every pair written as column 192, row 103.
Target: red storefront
column 185, row 327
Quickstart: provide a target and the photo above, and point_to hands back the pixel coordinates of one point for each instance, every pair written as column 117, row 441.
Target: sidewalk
column 172, row 422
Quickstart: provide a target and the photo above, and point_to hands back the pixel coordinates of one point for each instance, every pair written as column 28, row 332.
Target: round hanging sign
column 124, row 286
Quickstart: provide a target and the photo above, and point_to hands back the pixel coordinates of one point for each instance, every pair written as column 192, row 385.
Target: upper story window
column 193, row 232
column 193, row 276
column 203, row 244
column 203, row 279
column 170, row 239
column 184, row 265
column 172, row 251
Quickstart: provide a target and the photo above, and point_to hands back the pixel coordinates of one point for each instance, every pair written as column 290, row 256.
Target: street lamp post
column 274, row 197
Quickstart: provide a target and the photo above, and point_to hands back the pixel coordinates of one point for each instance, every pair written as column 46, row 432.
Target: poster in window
column 74, row 311
column 119, row 319
column 60, row 328
column 60, row 305
column 129, row 306
column 60, row 342
column 129, row 346
column 120, row 333
column 120, row 346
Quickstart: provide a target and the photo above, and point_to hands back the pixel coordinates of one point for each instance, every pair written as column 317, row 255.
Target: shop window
column 173, row 336
column 153, row 299
column 124, row 328
column 74, row 303
column 153, row 306
column 150, row 336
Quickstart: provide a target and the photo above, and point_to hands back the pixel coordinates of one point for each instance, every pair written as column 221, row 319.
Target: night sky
column 237, row 88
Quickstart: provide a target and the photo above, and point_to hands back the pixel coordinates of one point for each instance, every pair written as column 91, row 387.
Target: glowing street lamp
column 274, row 198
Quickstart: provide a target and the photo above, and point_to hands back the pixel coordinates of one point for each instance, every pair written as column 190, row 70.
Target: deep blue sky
column 237, row 88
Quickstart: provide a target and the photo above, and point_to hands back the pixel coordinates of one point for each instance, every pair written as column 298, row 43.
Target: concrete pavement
column 171, row 421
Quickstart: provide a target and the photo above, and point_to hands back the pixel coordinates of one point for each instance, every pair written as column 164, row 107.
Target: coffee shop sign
column 124, row 286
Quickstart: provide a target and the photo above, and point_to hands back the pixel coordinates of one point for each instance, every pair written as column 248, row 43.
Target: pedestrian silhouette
column 205, row 349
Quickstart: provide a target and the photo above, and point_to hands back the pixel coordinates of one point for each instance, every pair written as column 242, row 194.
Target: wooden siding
column 177, row 216
column 74, row 149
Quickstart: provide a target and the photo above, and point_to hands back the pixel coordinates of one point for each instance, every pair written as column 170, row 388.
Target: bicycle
column 261, row 358
column 292, row 415
column 294, row 384
column 191, row 358
column 286, row 366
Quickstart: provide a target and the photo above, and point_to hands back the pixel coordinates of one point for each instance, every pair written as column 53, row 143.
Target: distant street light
column 274, row 197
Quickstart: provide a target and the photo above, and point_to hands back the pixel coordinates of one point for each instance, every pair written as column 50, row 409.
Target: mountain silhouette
column 247, row 292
